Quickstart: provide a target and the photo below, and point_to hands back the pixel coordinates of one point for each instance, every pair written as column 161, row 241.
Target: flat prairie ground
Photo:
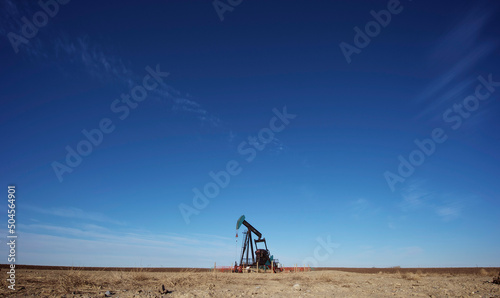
column 372, row 282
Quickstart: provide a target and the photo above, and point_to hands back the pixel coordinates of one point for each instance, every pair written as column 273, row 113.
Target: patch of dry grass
column 138, row 275
column 184, row 279
column 410, row 276
column 326, row 277
column 190, row 270
column 76, row 280
column 483, row 272
column 422, row 274
column 497, row 279
column 81, row 281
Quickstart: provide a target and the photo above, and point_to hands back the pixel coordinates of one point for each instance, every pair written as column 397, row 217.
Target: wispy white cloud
column 362, row 207
column 91, row 231
column 460, row 67
column 75, row 213
column 132, row 250
column 94, row 245
column 80, row 51
column 448, row 95
column 418, row 196
column 211, row 236
column 187, row 105
column 459, row 50
column 181, row 104
column 277, row 147
column 448, row 213
column 360, row 204
column 11, row 14
column 463, row 36
column 104, row 66
column 414, row 195
column 53, row 45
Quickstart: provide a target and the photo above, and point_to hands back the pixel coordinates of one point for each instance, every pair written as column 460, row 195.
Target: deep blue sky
column 322, row 176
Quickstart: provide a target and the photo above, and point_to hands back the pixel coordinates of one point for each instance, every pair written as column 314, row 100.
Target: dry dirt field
column 340, row 282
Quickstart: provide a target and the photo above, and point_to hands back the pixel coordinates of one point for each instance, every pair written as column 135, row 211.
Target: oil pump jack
column 261, row 258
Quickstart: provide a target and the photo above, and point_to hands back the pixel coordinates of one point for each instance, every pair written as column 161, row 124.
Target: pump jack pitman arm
column 242, row 220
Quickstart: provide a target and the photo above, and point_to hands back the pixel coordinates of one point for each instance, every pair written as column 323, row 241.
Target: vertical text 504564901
column 12, row 237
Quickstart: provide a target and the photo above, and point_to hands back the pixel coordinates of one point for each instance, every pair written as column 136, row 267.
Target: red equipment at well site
column 261, row 259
